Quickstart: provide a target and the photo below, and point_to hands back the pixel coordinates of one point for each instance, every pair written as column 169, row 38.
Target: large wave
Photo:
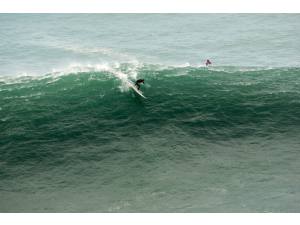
column 84, row 128
column 223, row 102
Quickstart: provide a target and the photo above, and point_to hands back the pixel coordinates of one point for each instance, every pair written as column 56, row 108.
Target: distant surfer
column 208, row 62
column 138, row 82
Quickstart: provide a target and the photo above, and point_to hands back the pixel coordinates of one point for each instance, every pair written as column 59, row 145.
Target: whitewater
column 75, row 138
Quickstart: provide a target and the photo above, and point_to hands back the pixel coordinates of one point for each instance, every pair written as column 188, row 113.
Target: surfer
column 208, row 62
column 137, row 83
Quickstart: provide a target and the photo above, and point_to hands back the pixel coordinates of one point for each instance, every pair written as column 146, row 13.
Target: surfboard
column 135, row 89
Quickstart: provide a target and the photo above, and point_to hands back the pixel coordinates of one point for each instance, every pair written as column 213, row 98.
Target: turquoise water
column 75, row 138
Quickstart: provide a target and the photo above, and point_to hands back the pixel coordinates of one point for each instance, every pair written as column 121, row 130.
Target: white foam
column 74, row 68
column 233, row 69
column 113, row 68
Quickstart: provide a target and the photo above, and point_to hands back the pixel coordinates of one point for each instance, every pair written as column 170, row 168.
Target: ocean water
column 75, row 138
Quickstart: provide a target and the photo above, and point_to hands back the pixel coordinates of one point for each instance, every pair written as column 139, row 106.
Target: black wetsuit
column 137, row 83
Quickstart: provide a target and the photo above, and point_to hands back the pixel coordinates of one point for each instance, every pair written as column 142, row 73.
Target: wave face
column 89, row 134
column 209, row 103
